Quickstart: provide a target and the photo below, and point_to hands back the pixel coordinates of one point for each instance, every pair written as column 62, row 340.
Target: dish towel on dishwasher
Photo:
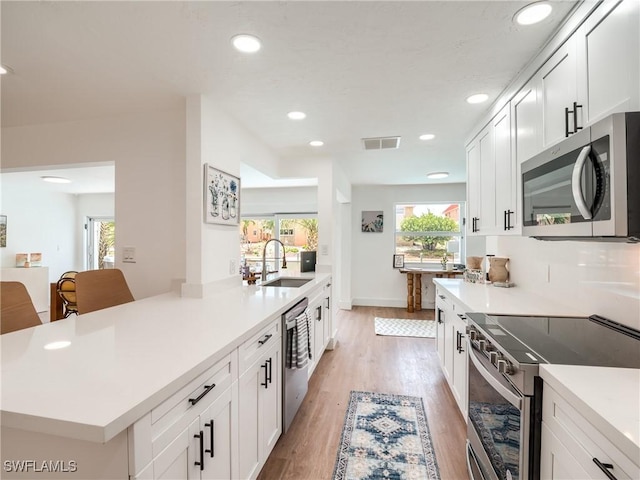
column 298, row 343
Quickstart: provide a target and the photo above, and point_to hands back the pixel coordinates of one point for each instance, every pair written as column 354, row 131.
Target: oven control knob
column 473, row 334
column 493, row 357
column 484, row 345
column 505, row 367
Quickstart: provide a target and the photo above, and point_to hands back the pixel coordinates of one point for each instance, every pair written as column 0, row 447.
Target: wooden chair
column 66, row 289
column 98, row 289
column 17, row 310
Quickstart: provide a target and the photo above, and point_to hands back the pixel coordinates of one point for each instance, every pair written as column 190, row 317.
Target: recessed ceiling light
column 316, row 143
column 427, row 136
column 4, row 69
column 246, row 43
column 478, row 98
column 297, row 115
column 437, row 175
column 52, row 179
column 533, row 13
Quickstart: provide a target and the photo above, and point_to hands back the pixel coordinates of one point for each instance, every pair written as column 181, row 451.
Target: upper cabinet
column 608, row 60
column 593, row 73
column 491, row 179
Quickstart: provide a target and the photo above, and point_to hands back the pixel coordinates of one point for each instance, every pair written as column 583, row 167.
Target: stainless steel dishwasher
column 294, row 380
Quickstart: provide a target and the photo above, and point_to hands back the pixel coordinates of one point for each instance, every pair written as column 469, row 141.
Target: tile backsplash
column 598, row 277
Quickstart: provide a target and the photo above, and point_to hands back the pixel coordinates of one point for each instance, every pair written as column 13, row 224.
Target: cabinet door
column 558, row 91
column 449, row 349
column 609, row 58
column 177, row 459
column 250, row 384
column 440, row 326
column 527, row 121
column 318, row 333
column 460, row 365
column 505, row 174
column 215, row 422
column 487, row 224
column 473, row 186
column 271, row 405
column 556, row 462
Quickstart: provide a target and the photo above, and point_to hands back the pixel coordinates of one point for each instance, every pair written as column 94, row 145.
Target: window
column 298, row 232
column 426, row 233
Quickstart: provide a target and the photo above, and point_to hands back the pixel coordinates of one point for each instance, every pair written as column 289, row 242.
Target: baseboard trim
column 379, row 302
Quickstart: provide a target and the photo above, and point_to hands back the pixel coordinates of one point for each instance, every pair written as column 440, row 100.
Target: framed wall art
column 398, row 261
column 221, row 197
column 372, row 221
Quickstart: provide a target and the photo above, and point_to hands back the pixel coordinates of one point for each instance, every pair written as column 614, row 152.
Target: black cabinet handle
column 201, row 462
column 265, row 339
column 566, row 122
column 207, row 389
column 575, row 117
column 459, row 337
column 509, row 213
column 328, row 302
column 605, row 469
column 474, row 225
column 439, row 316
column 210, row 425
column 505, row 220
column 319, row 313
column 266, row 380
column 441, row 296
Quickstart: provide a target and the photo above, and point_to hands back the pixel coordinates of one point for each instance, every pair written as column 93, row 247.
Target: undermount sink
column 286, row 282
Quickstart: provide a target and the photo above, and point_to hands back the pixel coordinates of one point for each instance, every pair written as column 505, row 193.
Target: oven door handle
column 576, row 183
column 507, row 394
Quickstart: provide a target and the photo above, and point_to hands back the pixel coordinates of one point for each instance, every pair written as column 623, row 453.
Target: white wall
column 267, row 201
column 597, row 277
column 40, row 221
column 374, row 281
column 149, row 155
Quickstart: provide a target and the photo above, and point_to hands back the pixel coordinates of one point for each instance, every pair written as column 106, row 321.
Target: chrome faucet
column 264, row 257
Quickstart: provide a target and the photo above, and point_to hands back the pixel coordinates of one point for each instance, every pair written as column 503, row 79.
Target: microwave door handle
column 576, row 183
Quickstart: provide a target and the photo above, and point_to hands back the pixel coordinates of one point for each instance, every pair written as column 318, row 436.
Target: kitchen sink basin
column 286, row 282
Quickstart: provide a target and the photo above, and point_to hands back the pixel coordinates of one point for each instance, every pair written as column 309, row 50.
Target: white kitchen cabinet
column 608, row 53
column 526, row 115
column 492, row 179
column 571, row 445
column 451, row 346
column 260, row 402
column 320, row 325
column 557, row 84
column 169, row 435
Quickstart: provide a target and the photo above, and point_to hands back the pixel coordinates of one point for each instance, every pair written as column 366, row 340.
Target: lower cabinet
column 260, row 401
column 201, row 451
column 573, row 448
column 451, row 345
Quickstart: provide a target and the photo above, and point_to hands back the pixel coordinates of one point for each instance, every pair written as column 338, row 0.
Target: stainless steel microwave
column 587, row 186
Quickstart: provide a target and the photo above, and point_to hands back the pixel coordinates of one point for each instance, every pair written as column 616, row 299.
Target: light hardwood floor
column 366, row 362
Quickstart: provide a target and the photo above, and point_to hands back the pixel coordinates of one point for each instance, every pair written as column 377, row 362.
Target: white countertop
column 124, row 360
column 486, row 298
column 608, row 397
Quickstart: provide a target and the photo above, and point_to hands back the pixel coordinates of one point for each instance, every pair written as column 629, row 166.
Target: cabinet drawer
column 582, row 439
column 251, row 350
column 175, row 413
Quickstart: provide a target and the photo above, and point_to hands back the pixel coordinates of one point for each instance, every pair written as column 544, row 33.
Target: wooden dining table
column 414, row 284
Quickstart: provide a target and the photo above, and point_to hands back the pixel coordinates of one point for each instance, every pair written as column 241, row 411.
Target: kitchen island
column 89, row 379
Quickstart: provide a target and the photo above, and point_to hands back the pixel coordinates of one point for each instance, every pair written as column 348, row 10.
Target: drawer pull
column 441, row 296
column 210, row 425
column 605, row 468
column 270, row 371
column 440, row 316
column 201, row 462
column 207, row 389
column 265, row 339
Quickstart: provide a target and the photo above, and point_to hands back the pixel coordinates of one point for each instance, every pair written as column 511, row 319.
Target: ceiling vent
column 380, row 143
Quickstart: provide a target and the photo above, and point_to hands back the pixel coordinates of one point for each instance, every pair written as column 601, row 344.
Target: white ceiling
column 358, row 69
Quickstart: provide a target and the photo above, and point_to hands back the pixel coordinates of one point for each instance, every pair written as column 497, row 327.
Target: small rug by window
column 385, row 437
column 404, row 327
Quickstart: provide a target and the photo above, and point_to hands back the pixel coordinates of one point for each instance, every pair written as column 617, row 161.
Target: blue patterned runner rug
column 385, row 437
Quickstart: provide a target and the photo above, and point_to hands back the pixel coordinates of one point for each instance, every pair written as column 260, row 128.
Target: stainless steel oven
column 505, row 391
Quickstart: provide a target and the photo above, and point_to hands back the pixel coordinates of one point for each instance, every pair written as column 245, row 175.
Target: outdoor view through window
column 429, row 233
column 298, row 234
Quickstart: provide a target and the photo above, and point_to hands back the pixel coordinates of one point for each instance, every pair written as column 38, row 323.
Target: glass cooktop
column 592, row 341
